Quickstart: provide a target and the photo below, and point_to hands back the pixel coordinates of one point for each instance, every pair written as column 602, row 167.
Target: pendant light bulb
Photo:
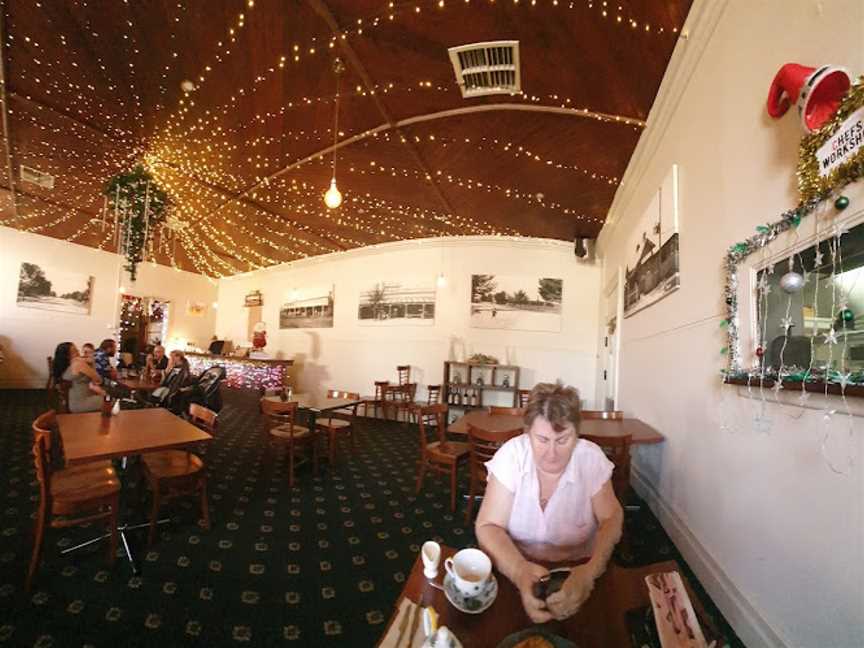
column 333, row 197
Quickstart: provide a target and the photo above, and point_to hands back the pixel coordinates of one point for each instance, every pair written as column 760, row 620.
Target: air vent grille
column 487, row 68
column 37, row 177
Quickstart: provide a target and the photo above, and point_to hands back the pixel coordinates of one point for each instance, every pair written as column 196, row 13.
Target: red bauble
column 760, row 351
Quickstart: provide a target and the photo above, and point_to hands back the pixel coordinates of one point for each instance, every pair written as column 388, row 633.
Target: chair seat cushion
column 287, row 432
column 333, row 423
column 88, row 481
column 171, row 463
column 449, row 449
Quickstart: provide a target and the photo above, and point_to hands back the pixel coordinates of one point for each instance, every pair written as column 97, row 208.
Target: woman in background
column 85, row 395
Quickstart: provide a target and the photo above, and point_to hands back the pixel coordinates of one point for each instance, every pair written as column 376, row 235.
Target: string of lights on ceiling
column 191, row 148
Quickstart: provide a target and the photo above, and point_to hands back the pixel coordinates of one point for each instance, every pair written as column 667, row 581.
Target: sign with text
column 842, row 145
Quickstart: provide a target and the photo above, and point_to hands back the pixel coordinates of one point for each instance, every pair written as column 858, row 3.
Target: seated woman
column 549, row 499
column 85, row 395
column 174, row 378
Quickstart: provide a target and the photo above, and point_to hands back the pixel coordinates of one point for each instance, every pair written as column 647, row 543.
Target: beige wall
column 771, row 531
column 29, row 335
column 352, row 356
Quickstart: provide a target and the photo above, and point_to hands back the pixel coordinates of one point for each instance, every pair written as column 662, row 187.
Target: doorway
column 143, row 324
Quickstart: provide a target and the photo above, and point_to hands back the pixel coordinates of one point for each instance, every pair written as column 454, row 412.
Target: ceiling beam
column 321, row 8
column 4, row 116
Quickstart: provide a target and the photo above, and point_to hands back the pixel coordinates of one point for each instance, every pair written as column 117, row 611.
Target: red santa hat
column 816, row 91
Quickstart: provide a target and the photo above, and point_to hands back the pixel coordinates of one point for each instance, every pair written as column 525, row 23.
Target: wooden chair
column 284, row 430
column 171, row 474
column 71, row 496
column 483, row 446
column 399, row 398
column 49, row 384
column 335, row 426
column 404, row 373
column 494, row 410
column 604, row 415
column 441, row 456
column 378, row 400
column 433, row 397
column 524, row 397
column 205, row 419
column 617, row 449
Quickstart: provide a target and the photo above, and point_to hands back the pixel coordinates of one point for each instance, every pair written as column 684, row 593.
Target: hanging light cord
column 337, row 68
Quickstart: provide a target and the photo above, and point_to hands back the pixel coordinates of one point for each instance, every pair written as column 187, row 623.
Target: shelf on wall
column 484, row 365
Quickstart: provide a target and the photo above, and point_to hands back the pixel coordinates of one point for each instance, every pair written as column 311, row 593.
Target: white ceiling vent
column 39, row 178
column 487, row 68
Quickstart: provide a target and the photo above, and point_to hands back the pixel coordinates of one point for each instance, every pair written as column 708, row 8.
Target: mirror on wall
column 831, row 299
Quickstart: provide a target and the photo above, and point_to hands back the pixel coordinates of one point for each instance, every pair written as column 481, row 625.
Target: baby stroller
column 166, row 394
column 205, row 391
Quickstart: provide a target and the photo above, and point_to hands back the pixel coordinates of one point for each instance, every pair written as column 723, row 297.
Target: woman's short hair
column 555, row 402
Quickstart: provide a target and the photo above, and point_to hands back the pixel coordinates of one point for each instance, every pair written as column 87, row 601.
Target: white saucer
column 471, row 604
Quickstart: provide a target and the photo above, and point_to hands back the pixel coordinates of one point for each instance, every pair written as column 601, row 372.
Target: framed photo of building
column 398, row 302
column 652, row 270
column 54, row 289
column 519, row 303
column 310, row 307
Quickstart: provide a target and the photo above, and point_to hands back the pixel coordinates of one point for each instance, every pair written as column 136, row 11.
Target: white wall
column 774, row 535
column 29, row 335
column 350, row 356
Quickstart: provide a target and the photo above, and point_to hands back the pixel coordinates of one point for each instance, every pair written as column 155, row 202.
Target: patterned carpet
column 317, row 565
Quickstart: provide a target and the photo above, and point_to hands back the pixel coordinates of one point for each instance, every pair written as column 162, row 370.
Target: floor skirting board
column 749, row 625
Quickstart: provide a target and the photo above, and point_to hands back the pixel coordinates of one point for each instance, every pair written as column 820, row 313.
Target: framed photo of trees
column 398, row 302
column 54, row 289
column 516, row 303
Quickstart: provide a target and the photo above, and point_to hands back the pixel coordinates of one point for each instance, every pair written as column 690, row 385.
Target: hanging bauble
column 760, row 352
column 847, row 315
column 792, row 282
column 841, row 203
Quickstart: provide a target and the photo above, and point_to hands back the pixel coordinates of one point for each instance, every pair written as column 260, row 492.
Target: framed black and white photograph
column 518, row 303
column 393, row 303
column 54, row 289
column 310, row 307
column 652, row 270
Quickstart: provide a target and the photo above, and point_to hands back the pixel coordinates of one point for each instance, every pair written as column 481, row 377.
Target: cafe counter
column 244, row 372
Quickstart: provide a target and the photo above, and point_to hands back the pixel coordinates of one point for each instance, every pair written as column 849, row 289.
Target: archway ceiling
column 93, row 87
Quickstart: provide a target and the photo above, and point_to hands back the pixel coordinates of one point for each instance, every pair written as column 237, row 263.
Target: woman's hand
column 528, row 574
column 573, row 593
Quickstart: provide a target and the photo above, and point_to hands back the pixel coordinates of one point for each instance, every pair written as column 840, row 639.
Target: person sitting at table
column 549, row 499
column 175, row 377
column 85, row 394
column 157, row 361
column 87, row 352
column 102, row 359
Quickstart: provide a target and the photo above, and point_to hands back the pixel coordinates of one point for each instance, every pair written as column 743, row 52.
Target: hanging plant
column 139, row 205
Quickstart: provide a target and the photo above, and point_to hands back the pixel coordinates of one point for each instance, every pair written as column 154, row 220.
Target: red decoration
column 817, row 93
column 259, row 339
column 760, row 351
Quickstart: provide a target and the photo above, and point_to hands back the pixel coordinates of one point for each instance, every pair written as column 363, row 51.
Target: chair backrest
column 494, row 410
column 45, row 425
column 63, row 388
column 336, row 393
column 433, row 394
column 380, row 385
column 280, row 412
column 484, row 444
column 42, row 462
column 605, row 415
column 404, row 373
column 524, row 397
column 426, row 415
column 50, row 382
column 617, row 449
column 202, row 417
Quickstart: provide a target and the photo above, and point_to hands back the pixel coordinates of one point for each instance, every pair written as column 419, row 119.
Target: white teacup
column 431, row 554
column 469, row 569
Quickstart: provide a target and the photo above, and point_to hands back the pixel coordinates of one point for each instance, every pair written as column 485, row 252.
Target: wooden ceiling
column 92, row 87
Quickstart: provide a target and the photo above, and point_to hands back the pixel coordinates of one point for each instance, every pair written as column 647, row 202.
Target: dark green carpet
column 317, row 565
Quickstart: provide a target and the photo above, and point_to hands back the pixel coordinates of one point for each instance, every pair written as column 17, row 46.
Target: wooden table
column 138, row 383
column 642, row 433
column 600, row 622
column 91, row 436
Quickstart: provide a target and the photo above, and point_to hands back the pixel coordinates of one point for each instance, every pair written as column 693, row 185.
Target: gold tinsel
column 811, row 185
